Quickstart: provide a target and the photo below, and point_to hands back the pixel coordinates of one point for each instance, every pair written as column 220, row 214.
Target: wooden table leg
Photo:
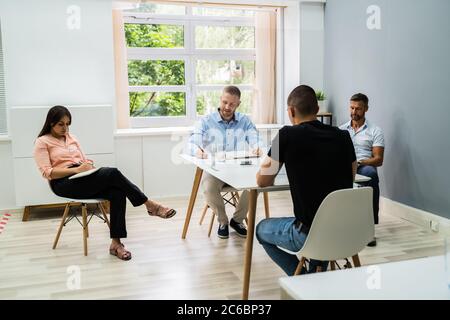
column 198, row 177
column 266, row 204
column 249, row 243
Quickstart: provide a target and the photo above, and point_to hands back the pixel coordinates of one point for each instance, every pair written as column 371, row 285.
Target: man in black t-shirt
column 319, row 159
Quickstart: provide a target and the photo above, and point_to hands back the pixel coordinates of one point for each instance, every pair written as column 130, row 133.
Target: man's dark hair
column 304, row 100
column 360, row 97
column 234, row 91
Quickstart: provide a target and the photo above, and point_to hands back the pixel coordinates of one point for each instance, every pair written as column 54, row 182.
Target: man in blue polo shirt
column 368, row 141
column 225, row 130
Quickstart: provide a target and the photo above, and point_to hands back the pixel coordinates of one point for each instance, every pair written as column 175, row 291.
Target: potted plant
column 321, row 99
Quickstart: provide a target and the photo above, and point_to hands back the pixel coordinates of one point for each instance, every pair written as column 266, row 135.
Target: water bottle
column 213, row 155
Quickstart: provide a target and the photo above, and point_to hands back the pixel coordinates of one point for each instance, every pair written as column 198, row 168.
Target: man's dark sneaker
column 223, row 231
column 372, row 243
column 239, row 228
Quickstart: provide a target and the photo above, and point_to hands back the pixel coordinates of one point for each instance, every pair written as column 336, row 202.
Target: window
column 181, row 57
column 3, row 125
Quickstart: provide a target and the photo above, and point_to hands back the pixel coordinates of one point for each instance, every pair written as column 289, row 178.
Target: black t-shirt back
column 318, row 160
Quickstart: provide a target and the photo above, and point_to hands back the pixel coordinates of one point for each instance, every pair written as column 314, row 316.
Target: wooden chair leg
column 211, row 224
column 85, row 230
column 356, row 261
column 299, row 267
column 87, row 221
column 106, row 206
column 61, row 225
column 26, row 213
column 266, row 204
column 234, row 198
column 333, row 265
column 103, row 210
column 205, row 208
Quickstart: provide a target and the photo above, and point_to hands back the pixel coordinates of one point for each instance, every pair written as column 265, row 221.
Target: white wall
column 312, row 44
column 291, row 52
column 151, row 162
column 48, row 64
column 303, row 47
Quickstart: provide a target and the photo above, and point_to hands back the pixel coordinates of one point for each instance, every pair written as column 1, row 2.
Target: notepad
column 84, row 173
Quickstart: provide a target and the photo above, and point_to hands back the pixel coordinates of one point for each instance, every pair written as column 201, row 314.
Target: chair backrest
column 342, row 227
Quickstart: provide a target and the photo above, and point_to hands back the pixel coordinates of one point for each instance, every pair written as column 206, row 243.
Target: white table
column 418, row 279
column 239, row 177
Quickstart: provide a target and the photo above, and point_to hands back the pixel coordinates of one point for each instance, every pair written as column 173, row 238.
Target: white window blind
column 3, row 125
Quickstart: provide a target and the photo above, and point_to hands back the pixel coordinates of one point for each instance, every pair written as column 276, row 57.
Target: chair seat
column 228, row 189
column 87, row 201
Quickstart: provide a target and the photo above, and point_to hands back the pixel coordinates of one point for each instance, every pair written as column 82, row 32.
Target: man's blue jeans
column 282, row 232
column 371, row 172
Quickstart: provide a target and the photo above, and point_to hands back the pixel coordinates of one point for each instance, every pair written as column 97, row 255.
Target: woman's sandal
column 161, row 213
column 123, row 254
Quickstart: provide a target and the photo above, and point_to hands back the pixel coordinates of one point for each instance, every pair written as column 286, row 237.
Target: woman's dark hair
column 54, row 115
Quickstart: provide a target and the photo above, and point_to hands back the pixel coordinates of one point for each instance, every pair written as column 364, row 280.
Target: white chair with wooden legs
column 231, row 196
column 85, row 217
column 342, row 227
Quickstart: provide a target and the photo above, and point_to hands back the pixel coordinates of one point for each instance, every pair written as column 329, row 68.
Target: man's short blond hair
column 233, row 90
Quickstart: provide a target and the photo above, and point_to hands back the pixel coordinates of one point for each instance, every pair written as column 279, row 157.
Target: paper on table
column 84, row 173
column 239, row 155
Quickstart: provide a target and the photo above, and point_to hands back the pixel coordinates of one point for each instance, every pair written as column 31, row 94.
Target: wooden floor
column 163, row 265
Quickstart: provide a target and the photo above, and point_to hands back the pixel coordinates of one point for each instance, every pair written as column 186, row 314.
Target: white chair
column 342, row 227
column 85, row 216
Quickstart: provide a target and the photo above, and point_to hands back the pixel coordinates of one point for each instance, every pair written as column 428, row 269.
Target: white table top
column 420, row 279
column 243, row 177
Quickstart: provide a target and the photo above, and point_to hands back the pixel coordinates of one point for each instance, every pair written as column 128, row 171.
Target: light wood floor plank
column 163, row 265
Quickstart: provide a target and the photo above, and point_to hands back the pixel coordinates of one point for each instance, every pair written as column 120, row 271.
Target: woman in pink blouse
column 58, row 156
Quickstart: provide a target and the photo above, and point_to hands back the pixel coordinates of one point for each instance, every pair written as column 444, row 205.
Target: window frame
column 4, row 113
column 190, row 55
